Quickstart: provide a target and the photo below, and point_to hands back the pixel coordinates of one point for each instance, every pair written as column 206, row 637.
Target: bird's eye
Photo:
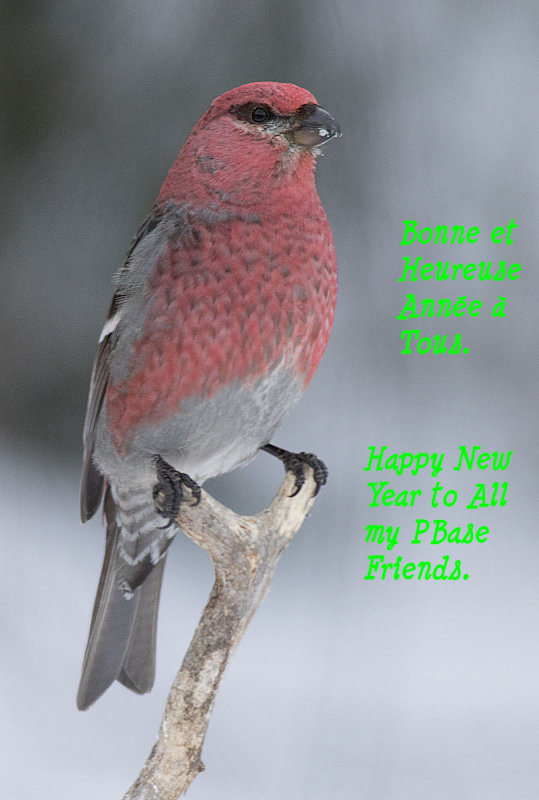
column 259, row 115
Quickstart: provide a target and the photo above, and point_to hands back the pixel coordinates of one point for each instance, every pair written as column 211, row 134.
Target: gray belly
column 208, row 436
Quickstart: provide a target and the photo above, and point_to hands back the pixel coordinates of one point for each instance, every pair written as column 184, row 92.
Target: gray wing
column 92, row 482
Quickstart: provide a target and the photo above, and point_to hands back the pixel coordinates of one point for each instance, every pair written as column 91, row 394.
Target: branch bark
column 245, row 552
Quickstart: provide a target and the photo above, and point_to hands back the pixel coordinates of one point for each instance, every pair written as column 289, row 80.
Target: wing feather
column 92, row 482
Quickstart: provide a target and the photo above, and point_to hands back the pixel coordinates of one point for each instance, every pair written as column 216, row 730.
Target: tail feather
column 138, row 665
column 122, row 638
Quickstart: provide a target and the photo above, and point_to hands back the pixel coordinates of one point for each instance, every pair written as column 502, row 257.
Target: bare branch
column 245, row 552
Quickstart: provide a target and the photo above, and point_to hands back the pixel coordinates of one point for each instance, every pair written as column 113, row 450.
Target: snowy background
column 342, row 688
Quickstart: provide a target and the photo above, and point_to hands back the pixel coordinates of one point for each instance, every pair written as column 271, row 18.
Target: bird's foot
column 294, row 462
column 169, row 491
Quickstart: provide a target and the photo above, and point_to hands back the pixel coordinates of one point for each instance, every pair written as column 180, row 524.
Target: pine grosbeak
column 221, row 314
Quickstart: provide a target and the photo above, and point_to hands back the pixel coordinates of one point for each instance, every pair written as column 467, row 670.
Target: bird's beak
column 314, row 126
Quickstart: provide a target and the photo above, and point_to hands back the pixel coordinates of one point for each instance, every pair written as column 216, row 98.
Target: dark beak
column 315, row 126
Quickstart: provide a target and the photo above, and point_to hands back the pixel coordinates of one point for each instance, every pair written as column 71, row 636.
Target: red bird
column 221, row 314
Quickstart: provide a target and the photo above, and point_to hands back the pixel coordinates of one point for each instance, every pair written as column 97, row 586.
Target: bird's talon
column 294, row 463
column 169, row 491
column 158, row 496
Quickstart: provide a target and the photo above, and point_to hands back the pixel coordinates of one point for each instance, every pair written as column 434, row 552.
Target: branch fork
column 245, row 551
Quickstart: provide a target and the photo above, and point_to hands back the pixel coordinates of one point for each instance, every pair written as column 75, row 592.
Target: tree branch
column 245, row 552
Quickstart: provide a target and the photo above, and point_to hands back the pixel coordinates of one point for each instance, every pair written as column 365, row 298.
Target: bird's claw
column 169, row 491
column 294, row 463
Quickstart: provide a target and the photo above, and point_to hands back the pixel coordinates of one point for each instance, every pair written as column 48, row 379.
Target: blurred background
column 342, row 688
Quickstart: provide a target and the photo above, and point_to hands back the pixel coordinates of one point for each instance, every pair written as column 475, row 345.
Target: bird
column 220, row 316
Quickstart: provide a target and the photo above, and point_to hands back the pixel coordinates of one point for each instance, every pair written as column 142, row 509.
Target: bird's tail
column 121, row 642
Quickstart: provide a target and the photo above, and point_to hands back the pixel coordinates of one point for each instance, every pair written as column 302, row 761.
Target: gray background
column 342, row 688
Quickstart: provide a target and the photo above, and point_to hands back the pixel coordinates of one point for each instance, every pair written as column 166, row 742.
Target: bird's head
column 281, row 113
column 254, row 137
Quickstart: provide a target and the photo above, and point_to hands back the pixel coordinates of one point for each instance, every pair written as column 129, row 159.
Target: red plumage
column 221, row 315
